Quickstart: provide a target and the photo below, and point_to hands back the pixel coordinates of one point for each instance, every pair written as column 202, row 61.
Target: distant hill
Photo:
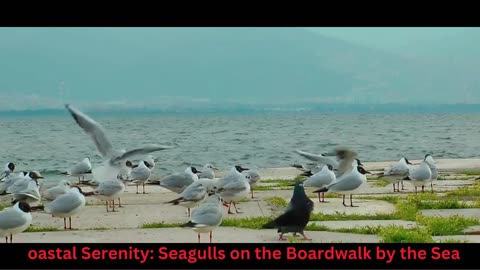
column 241, row 109
column 268, row 65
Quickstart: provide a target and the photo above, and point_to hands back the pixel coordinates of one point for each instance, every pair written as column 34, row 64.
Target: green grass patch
column 399, row 234
column 453, row 225
column 360, row 229
column 338, row 216
column 387, row 198
column 473, row 173
column 465, row 191
column 379, row 182
column 160, row 225
column 99, row 229
column 446, row 241
column 277, row 201
column 42, row 229
column 247, row 223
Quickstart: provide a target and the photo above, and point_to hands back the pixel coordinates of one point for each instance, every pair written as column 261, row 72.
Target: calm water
column 52, row 144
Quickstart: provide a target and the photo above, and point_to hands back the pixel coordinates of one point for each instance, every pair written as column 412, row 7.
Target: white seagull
column 207, row 172
column 253, row 178
column 67, row 205
column 178, row 182
column 207, row 216
column 419, row 176
column 9, row 169
column 140, row 174
column 195, row 193
column 397, row 172
column 56, row 191
column 14, row 220
column 321, row 179
column 234, row 187
column 80, row 169
column 114, row 158
column 347, row 184
column 26, row 189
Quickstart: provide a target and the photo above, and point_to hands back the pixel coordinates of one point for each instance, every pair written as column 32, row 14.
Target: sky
column 394, row 39
column 46, row 67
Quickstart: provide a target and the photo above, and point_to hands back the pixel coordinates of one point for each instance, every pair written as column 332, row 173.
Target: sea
column 51, row 144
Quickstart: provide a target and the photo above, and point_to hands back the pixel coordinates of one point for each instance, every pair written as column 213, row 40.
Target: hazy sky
column 389, row 38
column 116, row 66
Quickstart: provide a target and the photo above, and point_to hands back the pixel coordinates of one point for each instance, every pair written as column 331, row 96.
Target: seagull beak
column 199, row 171
column 367, row 172
column 215, row 168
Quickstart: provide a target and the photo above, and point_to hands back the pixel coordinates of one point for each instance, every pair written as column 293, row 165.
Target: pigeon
column 296, row 216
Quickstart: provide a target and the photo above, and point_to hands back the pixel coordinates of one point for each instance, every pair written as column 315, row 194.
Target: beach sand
column 94, row 224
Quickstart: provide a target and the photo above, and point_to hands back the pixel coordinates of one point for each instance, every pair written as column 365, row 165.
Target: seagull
column 195, row 193
column 321, row 159
column 296, row 216
column 80, row 169
column 140, row 174
column 9, row 169
column 346, row 159
column 26, row 189
column 178, row 182
column 109, row 190
column 321, row 179
column 10, row 180
column 207, row 172
column 253, row 178
column 420, row 175
column 314, row 170
column 58, row 190
column 433, row 168
column 14, row 220
column 207, row 216
column 114, row 157
column 125, row 172
column 398, row 171
column 67, row 205
column 234, row 187
column 347, row 184
column 150, row 162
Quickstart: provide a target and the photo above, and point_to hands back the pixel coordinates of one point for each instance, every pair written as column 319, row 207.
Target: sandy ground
column 94, row 224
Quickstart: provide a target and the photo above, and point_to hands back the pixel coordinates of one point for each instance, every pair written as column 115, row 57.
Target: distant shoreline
column 259, row 109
